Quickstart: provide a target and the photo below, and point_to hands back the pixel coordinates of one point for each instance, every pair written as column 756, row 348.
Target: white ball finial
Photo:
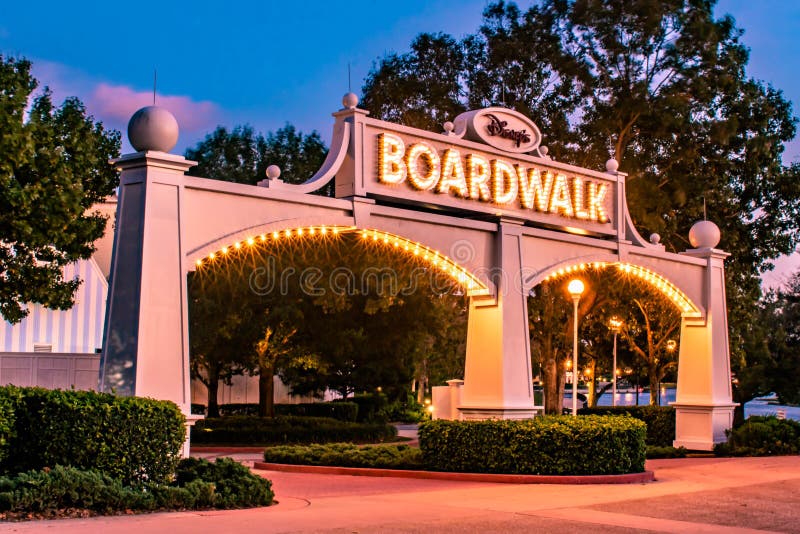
column 655, row 238
column 704, row 234
column 273, row 172
column 612, row 165
column 448, row 127
column 153, row 128
column 543, row 150
column 350, row 100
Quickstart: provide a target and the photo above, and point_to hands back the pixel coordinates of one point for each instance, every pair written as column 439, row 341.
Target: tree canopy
column 54, row 167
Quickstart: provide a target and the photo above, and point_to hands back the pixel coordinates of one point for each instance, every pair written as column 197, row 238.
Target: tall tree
column 54, row 167
column 241, row 155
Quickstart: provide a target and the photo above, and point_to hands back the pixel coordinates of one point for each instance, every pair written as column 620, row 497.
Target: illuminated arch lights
column 431, row 257
column 667, row 288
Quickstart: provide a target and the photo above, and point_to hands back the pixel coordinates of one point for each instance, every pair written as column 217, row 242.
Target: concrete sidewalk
column 702, row 495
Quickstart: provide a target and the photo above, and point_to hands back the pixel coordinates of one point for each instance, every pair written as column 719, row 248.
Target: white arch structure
column 482, row 201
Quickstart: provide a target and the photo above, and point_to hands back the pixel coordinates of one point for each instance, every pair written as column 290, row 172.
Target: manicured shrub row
column 199, row 485
column 761, row 436
column 660, row 420
column 347, row 455
column 244, row 429
column 370, row 407
column 343, row 411
column 128, row 438
column 6, row 426
column 549, row 445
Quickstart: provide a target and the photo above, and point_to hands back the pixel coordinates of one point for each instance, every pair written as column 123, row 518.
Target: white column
column 497, row 375
column 703, row 404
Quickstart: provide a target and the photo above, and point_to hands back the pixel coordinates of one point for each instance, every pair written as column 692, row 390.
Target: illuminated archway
column 656, row 281
column 471, row 284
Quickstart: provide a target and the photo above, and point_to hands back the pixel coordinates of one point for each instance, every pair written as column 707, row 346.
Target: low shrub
column 660, row 420
column 343, row 411
column 409, row 411
column 199, row 485
column 549, row 445
column 129, row 438
column 244, row 429
column 347, row 455
column 370, row 407
column 654, row 451
column 6, row 426
column 761, row 436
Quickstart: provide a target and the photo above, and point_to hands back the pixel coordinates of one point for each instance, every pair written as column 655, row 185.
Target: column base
column 191, row 419
column 474, row 413
column 700, row 426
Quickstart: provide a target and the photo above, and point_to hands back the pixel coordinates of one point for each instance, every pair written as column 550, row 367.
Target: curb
column 226, row 450
column 630, row 478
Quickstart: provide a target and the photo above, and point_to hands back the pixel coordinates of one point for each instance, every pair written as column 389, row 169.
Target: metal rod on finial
column 349, row 86
column 155, row 79
column 705, row 218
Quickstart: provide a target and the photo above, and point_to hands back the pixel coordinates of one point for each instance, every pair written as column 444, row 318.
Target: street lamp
column 615, row 324
column 575, row 289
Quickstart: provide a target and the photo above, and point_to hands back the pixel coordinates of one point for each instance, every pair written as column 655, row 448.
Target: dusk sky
column 267, row 63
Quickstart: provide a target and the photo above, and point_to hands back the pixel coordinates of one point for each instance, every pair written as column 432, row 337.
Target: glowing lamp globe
column 575, row 288
column 704, row 234
column 153, row 128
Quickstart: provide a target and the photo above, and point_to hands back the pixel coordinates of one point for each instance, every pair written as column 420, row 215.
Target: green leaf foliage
column 54, row 165
column 199, row 485
column 660, row 420
column 549, row 445
column 129, row 438
column 347, row 455
column 761, row 436
column 244, row 429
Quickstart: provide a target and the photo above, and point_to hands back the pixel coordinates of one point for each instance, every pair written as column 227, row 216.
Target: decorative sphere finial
column 704, row 234
column 350, row 100
column 448, row 127
column 153, row 128
column 273, row 172
column 543, row 150
column 612, row 165
column 655, row 238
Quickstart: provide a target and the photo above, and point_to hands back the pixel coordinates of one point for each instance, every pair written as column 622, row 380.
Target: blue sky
column 267, row 63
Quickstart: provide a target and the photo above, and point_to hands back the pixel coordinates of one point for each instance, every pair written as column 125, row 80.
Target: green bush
column 6, row 426
column 343, row 411
column 761, row 436
column 370, row 407
column 347, row 455
column 199, row 485
column 244, row 429
column 660, row 420
column 129, row 438
column 654, row 451
column 549, row 445
column 409, row 411
column 234, row 485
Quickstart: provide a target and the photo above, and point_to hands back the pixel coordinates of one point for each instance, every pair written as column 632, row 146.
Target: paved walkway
column 696, row 495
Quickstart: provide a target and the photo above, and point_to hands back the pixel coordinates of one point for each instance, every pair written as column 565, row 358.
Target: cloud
column 117, row 103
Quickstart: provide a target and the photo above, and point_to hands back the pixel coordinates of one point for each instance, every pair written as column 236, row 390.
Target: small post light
column 614, row 324
column 575, row 289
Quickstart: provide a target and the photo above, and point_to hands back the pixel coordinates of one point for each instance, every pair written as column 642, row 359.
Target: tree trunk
column 213, row 392
column 591, row 386
column 266, row 392
column 655, row 393
column 552, row 402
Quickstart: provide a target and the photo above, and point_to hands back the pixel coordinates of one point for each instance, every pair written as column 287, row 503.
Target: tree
column 54, row 167
column 660, row 86
column 242, row 156
column 782, row 313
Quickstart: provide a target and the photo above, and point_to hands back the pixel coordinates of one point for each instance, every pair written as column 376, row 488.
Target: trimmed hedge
column 129, row 438
column 287, row 429
column 6, row 426
column 343, row 411
column 347, row 455
column 199, row 485
column 660, row 420
column 761, row 436
column 370, row 407
column 549, row 445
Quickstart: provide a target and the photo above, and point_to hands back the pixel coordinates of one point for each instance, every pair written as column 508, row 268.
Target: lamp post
column 575, row 289
column 615, row 324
